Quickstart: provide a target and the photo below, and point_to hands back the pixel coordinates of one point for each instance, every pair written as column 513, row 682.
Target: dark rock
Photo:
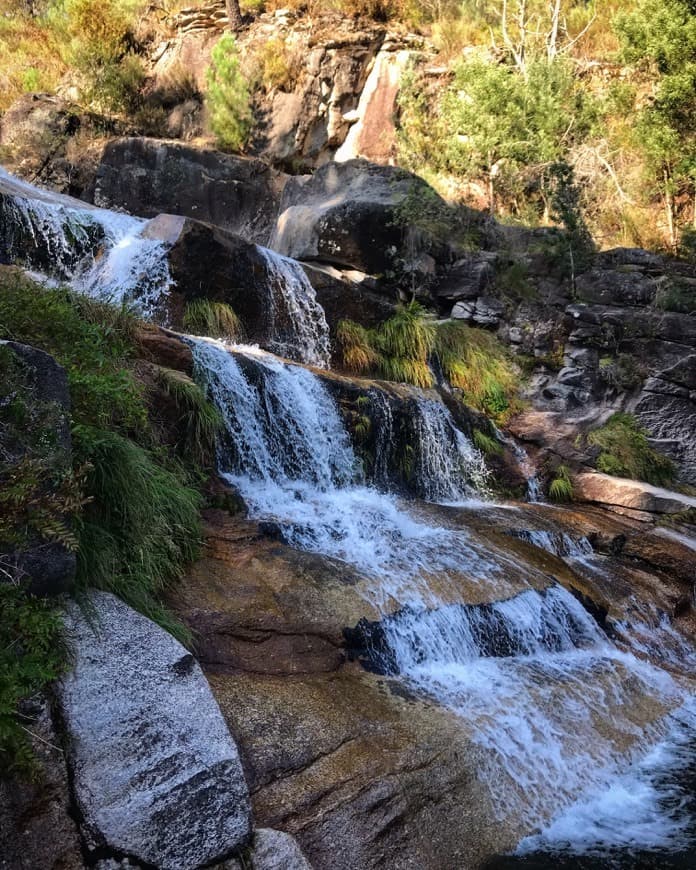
column 348, row 295
column 155, row 772
column 488, row 311
column 468, row 278
column 348, row 214
column 149, row 176
column 30, row 810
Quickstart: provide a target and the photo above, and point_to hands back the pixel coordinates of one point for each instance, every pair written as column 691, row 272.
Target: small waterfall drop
column 298, row 322
column 101, row 253
column 448, row 466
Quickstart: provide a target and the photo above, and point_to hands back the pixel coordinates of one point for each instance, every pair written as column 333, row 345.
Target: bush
column 474, row 361
column 32, row 654
column 626, row 452
column 228, row 96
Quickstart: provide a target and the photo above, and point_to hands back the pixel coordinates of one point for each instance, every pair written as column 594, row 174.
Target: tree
column 509, row 127
column 659, row 38
column 228, row 96
column 234, row 14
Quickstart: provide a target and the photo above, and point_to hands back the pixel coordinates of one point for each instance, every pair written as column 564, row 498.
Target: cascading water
column 298, row 323
column 101, row 253
column 559, row 712
column 448, row 467
column 442, row 464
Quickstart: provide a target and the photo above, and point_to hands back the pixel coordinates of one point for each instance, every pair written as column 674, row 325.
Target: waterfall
column 441, row 462
column 298, row 323
column 448, row 468
column 101, row 253
column 558, row 543
column 558, row 712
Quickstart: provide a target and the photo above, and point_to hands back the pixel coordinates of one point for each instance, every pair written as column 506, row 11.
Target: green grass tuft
column 214, row 319
column 561, row 487
column 626, row 452
column 142, row 527
column 488, row 445
column 200, row 419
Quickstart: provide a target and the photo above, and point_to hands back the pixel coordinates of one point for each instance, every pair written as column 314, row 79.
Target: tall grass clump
column 141, row 528
column 214, row 319
column 561, row 487
column 474, row 361
column 199, row 419
column 626, row 452
column 357, row 347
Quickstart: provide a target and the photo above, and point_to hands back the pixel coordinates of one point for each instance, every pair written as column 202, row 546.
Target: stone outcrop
column 349, row 214
column 155, row 773
column 149, row 176
column 631, row 494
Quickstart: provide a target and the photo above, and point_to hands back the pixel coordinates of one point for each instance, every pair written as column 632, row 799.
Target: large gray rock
column 149, row 176
column 272, row 850
column 632, row 494
column 355, row 214
column 156, row 775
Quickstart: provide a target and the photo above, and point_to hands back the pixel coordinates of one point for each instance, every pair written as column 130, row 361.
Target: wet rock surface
column 155, row 773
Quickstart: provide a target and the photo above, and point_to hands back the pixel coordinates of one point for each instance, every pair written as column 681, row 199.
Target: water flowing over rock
column 155, row 772
column 517, row 670
column 102, row 253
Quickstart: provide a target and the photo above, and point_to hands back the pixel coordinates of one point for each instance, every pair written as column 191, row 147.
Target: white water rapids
column 561, row 714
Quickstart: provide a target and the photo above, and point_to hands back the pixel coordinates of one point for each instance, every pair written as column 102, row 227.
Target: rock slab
column 156, row 775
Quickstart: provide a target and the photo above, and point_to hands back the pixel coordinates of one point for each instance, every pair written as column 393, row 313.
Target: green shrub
column 561, row 487
column 32, row 654
column 626, row 452
column 214, row 319
column 228, row 96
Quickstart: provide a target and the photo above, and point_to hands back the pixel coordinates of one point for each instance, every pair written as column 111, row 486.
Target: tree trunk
column 669, row 209
column 234, row 14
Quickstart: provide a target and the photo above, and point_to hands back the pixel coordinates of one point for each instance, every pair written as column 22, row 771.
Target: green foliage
column 214, row 319
column 626, row 452
column 198, row 417
column 677, row 296
column 474, row 361
column 32, row 654
column 566, row 210
column 142, row 527
column 402, row 347
column 561, row 487
column 98, row 43
column 397, row 350
column 659, row 38
column 488, row 445
column 356, row 345
column 228, row 96
column 508, row 128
